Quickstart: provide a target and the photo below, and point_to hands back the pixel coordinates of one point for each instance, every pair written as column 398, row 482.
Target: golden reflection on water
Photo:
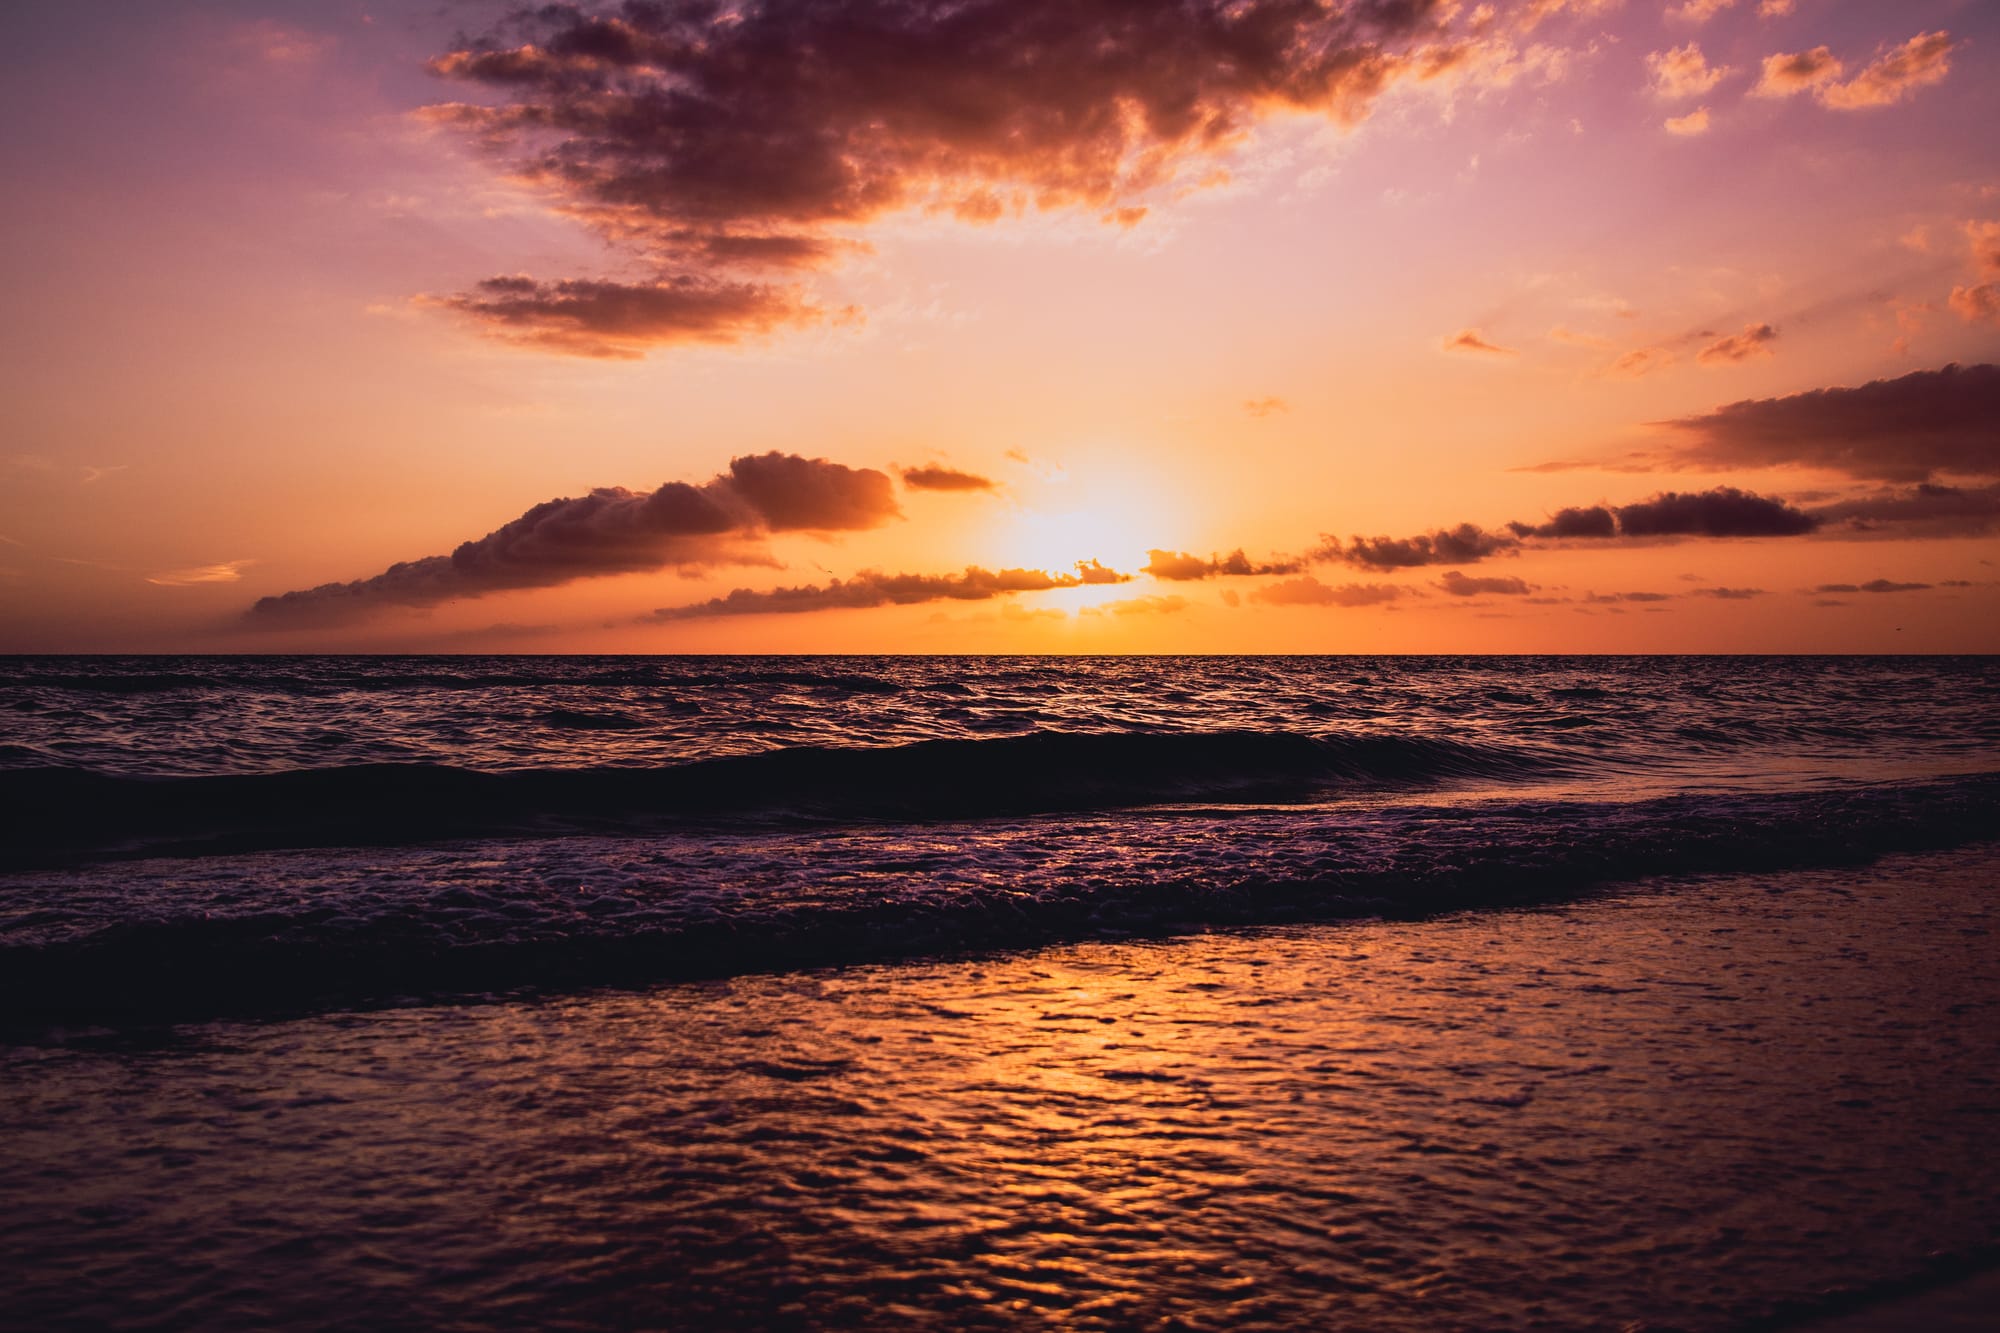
column 1682, row 1109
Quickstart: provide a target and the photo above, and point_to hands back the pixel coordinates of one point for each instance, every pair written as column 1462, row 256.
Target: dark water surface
column 495, row 991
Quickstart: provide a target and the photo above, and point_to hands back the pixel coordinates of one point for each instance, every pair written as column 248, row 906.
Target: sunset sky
column 1078, row 326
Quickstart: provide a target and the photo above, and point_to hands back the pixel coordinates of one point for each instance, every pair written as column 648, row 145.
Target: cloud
column 1139, row 606
column 1471, row 340
column 1902, row 430
column 1092, row 573
column 1461, row 585
column 1180, row 567
column 1977, row 304
column 1309, row 591
column 661, row 127
column 1722, row 512
column 933, row 478
column 1984, row 238
column 1641, row 361
column 1873, row 585
column 1922, row 61
column 1927, row 509
column 614, row 531
column 1593, row 521
column 1687, row 127
column 1754, row 341
column 1699, row 11
column 1683, row 72
column 1461, row 545
column 1784, row 75
column 871, row 588
column 1729, row 594
column 622, row 320
column 1613, row 598
column 1264, row 407
column 1772, row 9
column 229, row 571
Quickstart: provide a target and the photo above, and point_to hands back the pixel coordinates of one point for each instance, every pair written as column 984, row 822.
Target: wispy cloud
column 1472, row 340
column 1754, row 341
column 228, row 571
column 872, row 588
column 935, row 478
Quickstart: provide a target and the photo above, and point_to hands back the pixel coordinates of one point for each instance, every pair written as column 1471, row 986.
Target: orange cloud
column 1687, row 127
column 1682, row 72
column 1471, row 340
column 1785, row 75
column 1978, row 304
column 1985, row 240
column 1754, row 341
column 229, row 571
column 1922, row 61
column 1264, row 407
column 1638, row 362
column 1699, row 11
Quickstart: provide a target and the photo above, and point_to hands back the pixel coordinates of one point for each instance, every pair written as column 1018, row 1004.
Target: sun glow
column 1115, row 523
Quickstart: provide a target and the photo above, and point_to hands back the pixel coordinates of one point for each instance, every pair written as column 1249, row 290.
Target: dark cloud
column 1729, row 594
column 615, row 531
column 1180, row 567
column 1309, row 591
column 663, row 126
column 1926, row 509
column 1463, row 585
column 1722, row 512
column 1610, row 598
column 623, row 320
column 871, row 588
column 1754, row 341
column 1594, row 521
column 1906, row 429
column 1461, row 545
column 945, row 479
column 1873, row 585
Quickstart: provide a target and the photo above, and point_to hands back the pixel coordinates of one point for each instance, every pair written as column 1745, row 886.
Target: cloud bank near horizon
column 612, row 530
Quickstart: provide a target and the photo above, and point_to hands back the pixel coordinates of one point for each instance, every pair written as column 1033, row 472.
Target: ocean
column 1106, row 992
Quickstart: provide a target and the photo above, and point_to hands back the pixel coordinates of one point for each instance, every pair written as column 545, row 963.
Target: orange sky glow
column 1092, row 326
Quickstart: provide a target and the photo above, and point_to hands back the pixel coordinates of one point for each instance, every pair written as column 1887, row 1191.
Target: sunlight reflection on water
column 1689, row 1109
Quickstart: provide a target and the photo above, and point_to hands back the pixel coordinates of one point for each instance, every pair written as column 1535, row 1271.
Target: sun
column 1114, row 521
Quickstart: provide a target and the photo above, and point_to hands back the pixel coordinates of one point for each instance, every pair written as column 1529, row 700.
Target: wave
column 65, row 814
column 555, row 922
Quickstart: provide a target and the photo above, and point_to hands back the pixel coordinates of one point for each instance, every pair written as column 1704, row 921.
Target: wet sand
column 1741, row 1102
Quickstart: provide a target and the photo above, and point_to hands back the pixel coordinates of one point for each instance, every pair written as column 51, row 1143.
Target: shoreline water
column 1703, row 1104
